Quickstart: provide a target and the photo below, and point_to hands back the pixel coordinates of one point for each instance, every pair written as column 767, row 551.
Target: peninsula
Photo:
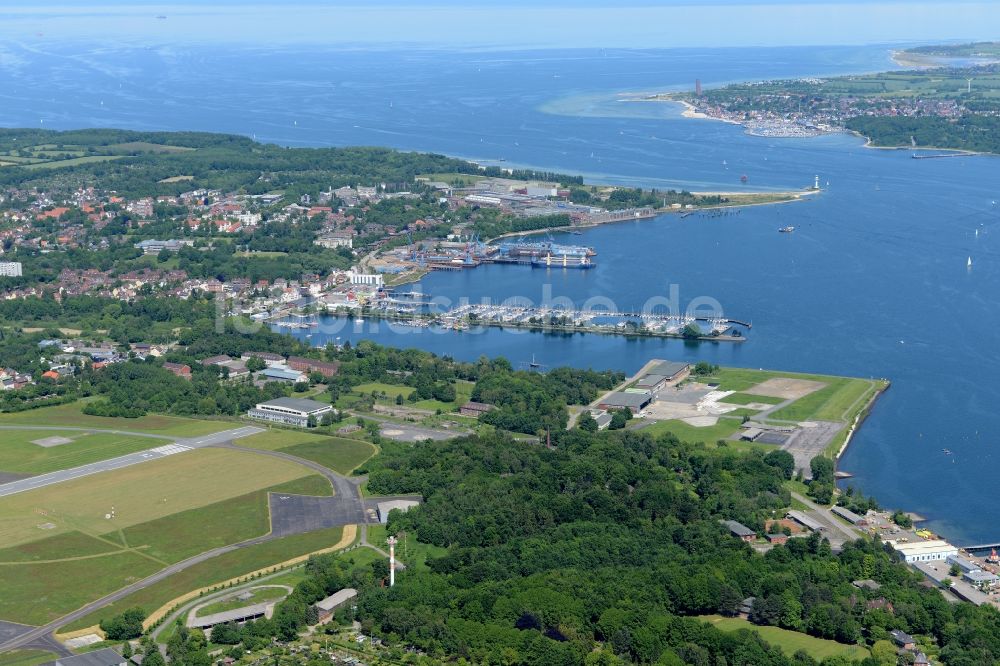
column 949, row 102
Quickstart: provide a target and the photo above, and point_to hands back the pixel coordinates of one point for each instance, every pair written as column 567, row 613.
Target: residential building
column 325, row 368
column 10, row 268
column 334, row 241
column 182, row 370
column 903, row 639
column 268, row 357
column 290, row 411
column 368, row 279
column 217, row 360
column 740, row 531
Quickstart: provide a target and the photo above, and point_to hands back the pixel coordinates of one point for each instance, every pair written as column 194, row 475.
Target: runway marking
column 170, row 449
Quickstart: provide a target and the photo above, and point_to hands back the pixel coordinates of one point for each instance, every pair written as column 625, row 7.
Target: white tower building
column 392, row 560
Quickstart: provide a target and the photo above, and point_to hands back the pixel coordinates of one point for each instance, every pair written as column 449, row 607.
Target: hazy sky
column 511, row 24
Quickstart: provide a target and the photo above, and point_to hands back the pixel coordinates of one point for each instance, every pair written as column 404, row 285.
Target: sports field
column 35, row 451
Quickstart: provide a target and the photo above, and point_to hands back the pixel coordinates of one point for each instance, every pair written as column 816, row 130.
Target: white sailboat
column 968, row 263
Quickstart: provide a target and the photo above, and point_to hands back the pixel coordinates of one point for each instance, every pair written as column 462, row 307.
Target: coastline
column 859, row 419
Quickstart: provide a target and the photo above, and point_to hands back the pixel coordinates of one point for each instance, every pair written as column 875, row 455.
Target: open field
column 36, row 593
column 340, row 454
column 463, row 391
column 19, row 454
column 748, row 399
column 140, row 493
column 689, row 433
column 25, row 657
column 59, row 547
column 278, row 438
column 146, row 147
column 216, row 570
column 838, row 400
column 835, row 402
column 790, row 641
column 53, row 575
column 182, row 535
column 71, row 415
column 259, row 595
column 73, row 161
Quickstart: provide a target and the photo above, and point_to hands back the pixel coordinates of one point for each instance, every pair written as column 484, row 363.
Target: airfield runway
column 176, row 445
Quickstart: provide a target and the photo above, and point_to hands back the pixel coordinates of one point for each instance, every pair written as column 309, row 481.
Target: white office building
column 290, row 411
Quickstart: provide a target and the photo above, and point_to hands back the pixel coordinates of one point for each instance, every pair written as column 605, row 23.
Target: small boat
column 947, row 452
column 359, row 320
column 786, row 230
column 968, row 262
column 744, row 178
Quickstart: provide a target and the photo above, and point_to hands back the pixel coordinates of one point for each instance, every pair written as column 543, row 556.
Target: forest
column 612, row 542
column 970, row 132
column 225, row 162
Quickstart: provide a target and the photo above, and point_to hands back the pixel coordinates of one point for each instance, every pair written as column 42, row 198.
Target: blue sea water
column 873, row 282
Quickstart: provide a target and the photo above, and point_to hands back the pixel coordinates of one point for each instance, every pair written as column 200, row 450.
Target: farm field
column 72, row 415
column 21, row 455
column 790, row 641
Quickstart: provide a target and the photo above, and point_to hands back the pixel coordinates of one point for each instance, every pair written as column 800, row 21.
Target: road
column 177, row 445
column 834, row 524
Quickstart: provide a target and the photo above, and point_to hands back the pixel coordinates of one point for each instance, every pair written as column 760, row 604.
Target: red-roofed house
column 179, row 369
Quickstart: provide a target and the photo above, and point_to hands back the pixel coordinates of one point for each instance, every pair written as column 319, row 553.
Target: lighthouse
column 816, row 184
